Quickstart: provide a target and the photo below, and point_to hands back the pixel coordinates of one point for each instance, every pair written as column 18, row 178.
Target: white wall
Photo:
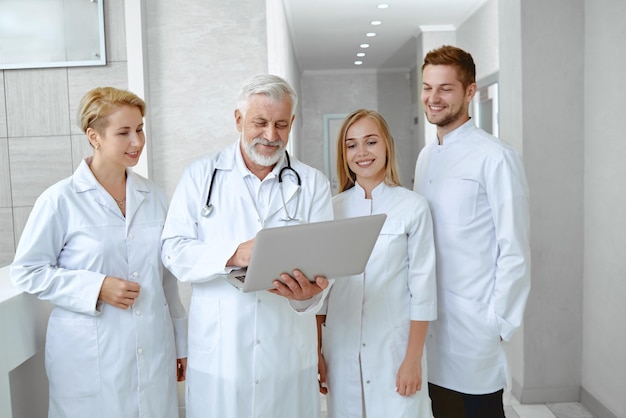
column 604, row 310
column 479, row 35
column 281, row 60
column 199, row 54
column 394, row 98
column 331, row 92
column 541, row 69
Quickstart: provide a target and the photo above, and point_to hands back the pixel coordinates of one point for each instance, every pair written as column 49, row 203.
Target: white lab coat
column 368, row 315
column 103, row 361
column 478, row 195
column 250, row 354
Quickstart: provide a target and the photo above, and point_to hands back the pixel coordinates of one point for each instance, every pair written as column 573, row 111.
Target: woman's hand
column 118, row 292
column 409, row 378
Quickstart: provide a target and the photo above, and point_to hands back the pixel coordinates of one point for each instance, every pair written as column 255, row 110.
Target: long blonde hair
column 347, row 177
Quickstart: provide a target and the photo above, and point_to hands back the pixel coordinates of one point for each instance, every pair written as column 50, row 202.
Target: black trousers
column 448, row 403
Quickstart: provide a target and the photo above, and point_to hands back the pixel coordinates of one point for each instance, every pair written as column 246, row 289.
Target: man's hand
column 298, row 287
column 241, row 258
column 118, row 292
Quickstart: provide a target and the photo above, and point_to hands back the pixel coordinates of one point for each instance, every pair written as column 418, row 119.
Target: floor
column 513, row 409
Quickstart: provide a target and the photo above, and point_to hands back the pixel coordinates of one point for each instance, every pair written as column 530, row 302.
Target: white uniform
column 250, row 354
column 365, row 336
column 478, row 195
column 103, row 361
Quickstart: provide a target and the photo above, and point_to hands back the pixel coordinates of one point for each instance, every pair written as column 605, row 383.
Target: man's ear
column 470, row 92
column 238, row 120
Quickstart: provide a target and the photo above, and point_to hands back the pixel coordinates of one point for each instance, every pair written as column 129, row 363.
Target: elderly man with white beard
column 250, row 354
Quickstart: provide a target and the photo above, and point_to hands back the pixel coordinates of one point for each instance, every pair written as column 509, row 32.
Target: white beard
column 263, row 160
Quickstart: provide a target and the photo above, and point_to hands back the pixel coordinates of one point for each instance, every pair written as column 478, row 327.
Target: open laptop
column 329, row 248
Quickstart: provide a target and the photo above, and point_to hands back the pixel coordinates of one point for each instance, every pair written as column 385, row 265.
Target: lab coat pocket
column 473, row 329
column 458, row 200
column 388, row 239
column 204, row 331
column 72, row 362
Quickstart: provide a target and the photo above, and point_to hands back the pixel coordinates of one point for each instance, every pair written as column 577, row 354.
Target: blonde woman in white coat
column 91, row 247
column 372, row 356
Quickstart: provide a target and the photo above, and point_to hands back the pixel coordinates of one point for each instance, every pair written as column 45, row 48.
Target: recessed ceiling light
column 383, row 6
column 358, row 62
column 360, row 54
column 370, row 34
column 365, row 45
column 376, row 22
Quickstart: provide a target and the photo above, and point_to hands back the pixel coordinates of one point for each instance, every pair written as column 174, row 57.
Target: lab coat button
column 363, row 344
column 258, row 342
column 368, row 382
column 430, row 181
column 256, row 382
column 140, row 350
column 135, row 274
column 131, row 236
column 258, row 301
column 137, row 313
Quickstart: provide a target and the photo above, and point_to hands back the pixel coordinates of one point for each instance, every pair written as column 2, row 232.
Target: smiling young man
column 478, row 195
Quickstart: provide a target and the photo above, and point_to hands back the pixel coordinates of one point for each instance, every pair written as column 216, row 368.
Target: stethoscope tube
column 288, row 167
column 207, row 209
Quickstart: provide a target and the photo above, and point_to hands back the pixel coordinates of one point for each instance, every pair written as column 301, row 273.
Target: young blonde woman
column 372, row 359
column 116, row 337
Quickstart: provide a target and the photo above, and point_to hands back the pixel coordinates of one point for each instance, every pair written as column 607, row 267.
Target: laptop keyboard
column 241, row 278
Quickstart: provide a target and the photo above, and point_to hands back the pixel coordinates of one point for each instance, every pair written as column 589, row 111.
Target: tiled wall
column 40, row 143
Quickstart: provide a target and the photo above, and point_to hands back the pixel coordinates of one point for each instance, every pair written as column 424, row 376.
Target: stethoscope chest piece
column 207, row 210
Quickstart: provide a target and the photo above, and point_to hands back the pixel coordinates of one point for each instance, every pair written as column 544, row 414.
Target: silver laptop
column 330, row 248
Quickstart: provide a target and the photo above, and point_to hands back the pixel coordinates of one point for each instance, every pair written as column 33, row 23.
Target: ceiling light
column 376, row 22
column 370, row 34
column 383, row 6
column 365, row 45
column 358, row 62
column 360, row 54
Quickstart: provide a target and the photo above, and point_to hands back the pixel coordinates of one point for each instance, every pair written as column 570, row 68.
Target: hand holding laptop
column 334, row 249
column 242, row 255
column 298, row 286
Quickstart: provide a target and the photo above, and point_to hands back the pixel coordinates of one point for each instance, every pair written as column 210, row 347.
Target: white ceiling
column 327, row 33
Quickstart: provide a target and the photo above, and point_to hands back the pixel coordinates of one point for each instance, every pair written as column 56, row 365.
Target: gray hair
column 270, row 85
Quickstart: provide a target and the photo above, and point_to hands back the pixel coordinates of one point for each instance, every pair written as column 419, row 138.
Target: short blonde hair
column 347, row 177
column 97, row 105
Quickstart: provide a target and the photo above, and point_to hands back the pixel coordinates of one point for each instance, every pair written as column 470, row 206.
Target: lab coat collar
column 376, row 193
column 136, row 192
column 289, row 184
column 458, row 133
column 136, row 189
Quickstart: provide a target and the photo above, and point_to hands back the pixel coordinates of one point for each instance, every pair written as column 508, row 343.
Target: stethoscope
column 208, row 207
